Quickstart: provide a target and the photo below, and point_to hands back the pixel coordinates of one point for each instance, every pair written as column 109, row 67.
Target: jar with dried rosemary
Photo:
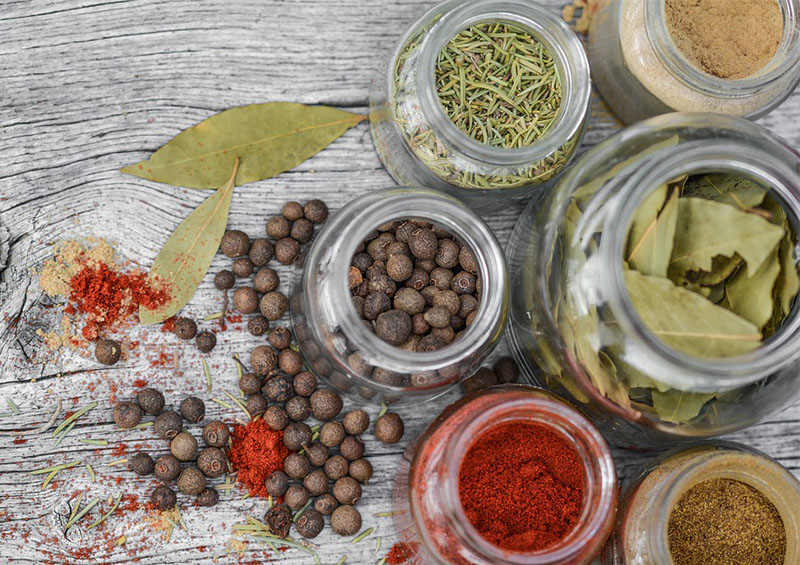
column 483, row 99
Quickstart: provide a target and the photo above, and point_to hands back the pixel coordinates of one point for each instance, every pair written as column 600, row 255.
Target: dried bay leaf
column 788, row 283
column 726, row 188
column 186, row 256
column 721, row 268
column 751, row 297
column 707, row 229
column 688, row 322
column 653, row 232
column 679, row 407
column 269, row 138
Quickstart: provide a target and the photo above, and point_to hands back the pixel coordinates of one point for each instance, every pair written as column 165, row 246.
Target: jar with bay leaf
column 656, row 285
column 483, row 99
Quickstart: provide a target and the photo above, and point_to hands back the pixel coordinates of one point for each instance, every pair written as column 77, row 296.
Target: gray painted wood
column 89, row 86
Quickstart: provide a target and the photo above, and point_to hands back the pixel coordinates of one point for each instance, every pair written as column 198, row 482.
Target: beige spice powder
column 730, row 39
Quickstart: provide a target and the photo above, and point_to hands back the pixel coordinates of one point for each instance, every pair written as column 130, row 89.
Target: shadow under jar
column 648, row 533
column 334, row 339
column 654, row 361
column 434, row 519
column 641, row 72
column 419, row 143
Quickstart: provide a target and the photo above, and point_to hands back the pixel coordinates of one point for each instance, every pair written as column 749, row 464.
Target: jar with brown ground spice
column 720, row 503
column 650, row 57
column 340, row 331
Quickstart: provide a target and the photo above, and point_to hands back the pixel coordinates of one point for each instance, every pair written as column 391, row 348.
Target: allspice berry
column 163, row 498
column 168, row 424
column 290, row 362
column 481, row 379
column 224, row 280
column 107, row 351
column 346, row 520
column 423, row 244
column 393, row 326
column 331, row 434
column 325, row 504
column 468, row 261
column 183, row 447
column 399, row 267
column 287, row 250
column 352, row 448
column 191, row 481
column 310, row 523
column 235, row 243
column 316, row 482
column 280, row 338
column 127, row 414
column 150, row 400
column 242, row 267
column 389, row 428
column 273, row 305
column 296, row 497
column 266, row 280
column 506, row 370
column 347, row 490
column 278, row 227
column 356, row 422
column 250, row 383
column 193, row 409
column 167, row 468
column 304, row 384
column 317, row 454
column 302, row 231
column 336, row 467
column 292, row 211
column 257, row 325
column 298, row 408
column 325, row 404
column 185, row 328
column 245, row 300
column 216, row 434
column 277, row 389
column 276, row 417
column 361, row 470
column 141, row 464
column 279, row 520
column 277, row 483
column 263, row 360
column 296, row 466
column 256, row 405
column 209, row 497
column 261, row 252
column 296, row 435
column 212, row 462
column 315, row 211
column 206, row 341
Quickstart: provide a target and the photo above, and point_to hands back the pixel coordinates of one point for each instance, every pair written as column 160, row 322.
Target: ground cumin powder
column 730, row 39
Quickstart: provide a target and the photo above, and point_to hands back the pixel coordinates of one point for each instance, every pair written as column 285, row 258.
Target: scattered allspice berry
column 163, row 498
column 280, row 338
column 317, row 454
column 481, row 379
column 216, row 434
column 298, row 408
column 304, row 384
column 292, row 211
column 261, row 252
column 325, row 504
column 209, row 497
column 296, row 435
column 257, row 325
column 310, row 523
column 315, row 211
column 389, row 428
column 316, row 482
column 279, row 520
column 273, row 305
column 356, row 422
column 347, row 490
column 212, row 462
column 263, row 359
column 296, row 497
column 256, row 405
column 278, row 389
column 191, row 481
column 352, row 448
column 183, row 447
column 276, row 417
column 224, row 280
column 278, row 227
column 361, row 470
column 277, row 483
column 168, row 424
column 245, row 300
column 150, row 401
column 336, row 467
column 506, row 370
column 127, row 414
column 296, row 466
column 287, row 250
column 290, row 362
column 193, row 409
column 141, row 464
column 185, row 328
column 107, row 351
column 266, row 280
column 346, row 520
column 167, row 468
column 235, row 243
column 206, row 341
column 325, row 404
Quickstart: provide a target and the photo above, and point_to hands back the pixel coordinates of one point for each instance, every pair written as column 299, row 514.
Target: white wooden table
column 89, row 86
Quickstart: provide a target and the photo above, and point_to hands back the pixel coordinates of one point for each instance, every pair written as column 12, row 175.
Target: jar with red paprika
column 510, row 475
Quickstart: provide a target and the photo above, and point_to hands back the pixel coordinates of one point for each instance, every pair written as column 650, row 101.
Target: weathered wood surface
column 87, row 87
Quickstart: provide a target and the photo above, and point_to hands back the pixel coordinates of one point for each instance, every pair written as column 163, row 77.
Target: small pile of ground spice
column 730, row 40
column 727, row 522
column 521, row 486
column 256, row 451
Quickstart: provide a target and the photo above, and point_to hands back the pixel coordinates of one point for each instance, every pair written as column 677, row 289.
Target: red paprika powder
column 256, row 451
column 521, row 486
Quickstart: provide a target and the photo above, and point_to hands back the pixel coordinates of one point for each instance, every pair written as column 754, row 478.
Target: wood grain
column 90, row 86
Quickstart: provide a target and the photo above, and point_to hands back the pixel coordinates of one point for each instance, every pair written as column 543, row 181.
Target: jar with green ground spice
column 483, row 99
column 718, row 503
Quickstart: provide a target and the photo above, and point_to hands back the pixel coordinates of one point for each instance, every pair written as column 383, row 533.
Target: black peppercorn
column 296, row 497
column 277, row 483
column 168, row 424
column 163, row 498
column 336, row 467
column 316, row 482
column 235, row 243
column 276, row 417
column 150, row 401
column 389, row 428
column 256, row 405
column 287, row 250
column 352, row 448
column 224, row 280
column 212, row 462
column 315, row 211
column 325, row 404
column 209, row 497
column 305, row 384
column 296, row 466
column 183, row 446
column 292, row 211
column 331, row 434
column 325, row 504
column 278, row 389
column 127, row 414
column 506, row 370
column 167, row 468
column 107, row 351
column 346, row 520
column 216, row 434
column 347, row 490
column 298, row 408
column 141, row 464
column 261, row 251
column 185, row 328
column 302, row 230
column 273, row 305
column 191, row 481
column 296, row 435
column 263, row 360
column 361, row 470
column 245, row 300
column 290, row 362
column 257, row 325
column 310, row 523
column 356, row 422
column 280, row 338
column 193, row 409
column 250, row 383
column 393, row 326
column 279, row 520
column 242, row 267
column 278, row 227
column 206, row 341
column 266, row 280
column 317, row 454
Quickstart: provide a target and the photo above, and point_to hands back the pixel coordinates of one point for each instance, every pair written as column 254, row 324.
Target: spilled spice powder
column 256, row 451
column 399, row 554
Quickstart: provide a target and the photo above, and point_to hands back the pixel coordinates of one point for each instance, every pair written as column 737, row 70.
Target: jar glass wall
column 421, row 146
column 574, row 328
column 640, row 71
column 332, row 335
column 429, row 515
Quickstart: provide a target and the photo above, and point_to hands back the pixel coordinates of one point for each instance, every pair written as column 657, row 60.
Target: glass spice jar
column 574, row 328
column 429, row 515
column 641, row 532
column 640, row 71
column 420, row 145
column 334, row 339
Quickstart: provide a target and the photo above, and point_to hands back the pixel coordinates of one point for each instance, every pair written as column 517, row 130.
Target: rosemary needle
column 362, row 535
column 81, row 514
column 208, row 374
column 107, row 514
column 12, row 406
column 74, row 417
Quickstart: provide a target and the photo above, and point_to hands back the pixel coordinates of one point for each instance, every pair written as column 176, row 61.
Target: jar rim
column 564, row 46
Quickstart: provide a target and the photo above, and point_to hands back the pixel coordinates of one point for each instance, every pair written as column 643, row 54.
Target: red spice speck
column 139, row 383
column 169, row 325
column 120, row 450
column 398, row 554
column 256, row 451
column 20, row 441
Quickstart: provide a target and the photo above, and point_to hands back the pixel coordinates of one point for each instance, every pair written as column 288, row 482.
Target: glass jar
column 420, row 145
column 428, row 514
column 334, row 339
column 640, row 534
column 573, row 326
column 641, row 72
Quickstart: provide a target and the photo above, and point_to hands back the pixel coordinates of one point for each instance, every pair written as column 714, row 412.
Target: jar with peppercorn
column 403, row 293
column 510, row 475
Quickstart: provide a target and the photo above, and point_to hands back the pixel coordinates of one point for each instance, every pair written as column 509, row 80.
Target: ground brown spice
column 726, row 522
column 729, row 39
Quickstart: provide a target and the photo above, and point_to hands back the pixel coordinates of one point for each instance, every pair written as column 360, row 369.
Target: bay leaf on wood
column 653, row 232
column 268, row 138
column 730, row 189
column 707, row 229
column 186, row 256
column 751, row 297
column 688, row 322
